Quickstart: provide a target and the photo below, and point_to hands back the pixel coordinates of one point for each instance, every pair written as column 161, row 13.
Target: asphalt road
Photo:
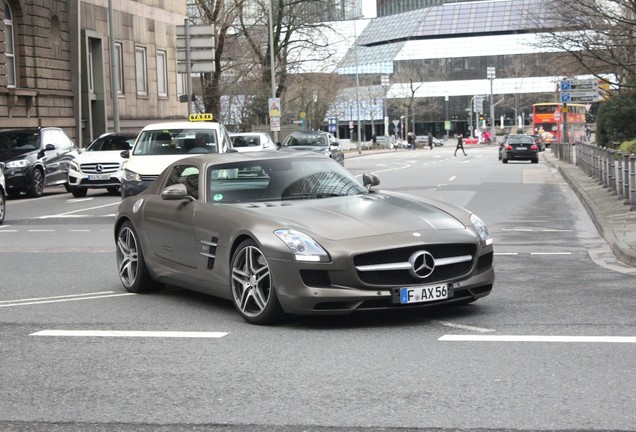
column 552, row 348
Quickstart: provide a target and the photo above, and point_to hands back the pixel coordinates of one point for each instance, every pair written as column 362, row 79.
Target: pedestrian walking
column 430, row 140
column 410, row 141
column 460, row 144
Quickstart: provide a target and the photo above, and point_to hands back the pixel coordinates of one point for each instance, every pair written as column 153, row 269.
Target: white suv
column 160, row 144
column 99, row 166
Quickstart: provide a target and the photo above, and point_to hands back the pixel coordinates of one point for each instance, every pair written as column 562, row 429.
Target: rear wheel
column 253, row 291
column 536, row 160
column 36, row 186
column 133, row 272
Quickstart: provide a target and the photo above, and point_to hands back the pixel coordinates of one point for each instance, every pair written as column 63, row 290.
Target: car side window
column 187, row 175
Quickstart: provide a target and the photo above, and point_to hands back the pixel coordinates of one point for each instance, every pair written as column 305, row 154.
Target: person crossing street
column 460, row 145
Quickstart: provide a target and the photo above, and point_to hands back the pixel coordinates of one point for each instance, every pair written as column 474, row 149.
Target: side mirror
column 176, row 192
column 125, row 154
column 370, row 180
column 279, row 145
column 1, row 166
column 49, row 147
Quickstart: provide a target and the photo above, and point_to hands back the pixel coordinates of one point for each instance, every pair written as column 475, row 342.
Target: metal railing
column 614, row 169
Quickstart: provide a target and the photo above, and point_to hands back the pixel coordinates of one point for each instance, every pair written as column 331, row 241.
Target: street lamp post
column 490, row 74
column 384, row 82
column 446, row 116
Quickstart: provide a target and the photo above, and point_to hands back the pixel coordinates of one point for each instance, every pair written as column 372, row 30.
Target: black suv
column 35, row 158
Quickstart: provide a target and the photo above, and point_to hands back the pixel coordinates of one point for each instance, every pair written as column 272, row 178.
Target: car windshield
column 109, row 143
column 173, row 141
column 306, row 140
column 279, row 179
column 246, row 141
column 19, row 141
column 520, row 140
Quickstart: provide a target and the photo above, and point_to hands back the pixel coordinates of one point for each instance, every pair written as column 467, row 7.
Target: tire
column 253, row 291
column 535, row 160
column 36, row 184
column 504, row 160
column 113, row 190
column 3, row 206
column 78, row 192
column 131, row 266
column 67, row 187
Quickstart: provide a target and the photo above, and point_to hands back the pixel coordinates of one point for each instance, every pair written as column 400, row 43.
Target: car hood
column 100, row 156
column 358, row 216
column 317, row 149
column 9, row 155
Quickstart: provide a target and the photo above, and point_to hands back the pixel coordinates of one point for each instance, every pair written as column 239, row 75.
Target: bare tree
column 598, row 34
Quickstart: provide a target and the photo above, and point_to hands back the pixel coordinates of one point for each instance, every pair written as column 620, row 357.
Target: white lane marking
column 40, row 230
column 59, row 297
column 465, row 327
column 79, row 200
column 517, row 229
column 13, row 231
column 4, row 226
column 67, row 214
column 79, row 230
column 60, row 300
column 536, row 338
column 557, row 230
column 550, row 253
column 452, row 178
column 121, row 333
column 506, row 253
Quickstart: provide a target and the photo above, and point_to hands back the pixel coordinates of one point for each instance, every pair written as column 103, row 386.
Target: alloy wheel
column 127, row 256
column 251, row 282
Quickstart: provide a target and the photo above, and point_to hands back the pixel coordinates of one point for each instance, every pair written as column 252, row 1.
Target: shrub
column 628, row 146
column 615, row 119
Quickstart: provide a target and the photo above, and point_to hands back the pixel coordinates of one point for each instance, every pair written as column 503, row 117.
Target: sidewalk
column 613, row 219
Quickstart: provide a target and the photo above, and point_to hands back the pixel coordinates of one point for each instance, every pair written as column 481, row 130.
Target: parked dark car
column 35, row 158
column 539, row 142
column 315, row 141
column 519, row 147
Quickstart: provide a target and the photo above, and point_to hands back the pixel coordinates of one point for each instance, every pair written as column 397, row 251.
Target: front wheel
column 3, row 206
column 78, row 192
column 36, row 186
column 133, row 272
column 253, row 290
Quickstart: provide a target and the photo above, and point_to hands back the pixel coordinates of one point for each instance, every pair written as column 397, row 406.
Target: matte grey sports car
column 295, row 233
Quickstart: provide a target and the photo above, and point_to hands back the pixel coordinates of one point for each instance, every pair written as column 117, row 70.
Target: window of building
column 9, row 37
column 162, row 73
column 119, row 68
column 91, row 76
column 141, row 71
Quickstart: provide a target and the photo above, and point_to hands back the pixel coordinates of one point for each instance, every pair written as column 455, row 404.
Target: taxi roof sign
column 200, row 117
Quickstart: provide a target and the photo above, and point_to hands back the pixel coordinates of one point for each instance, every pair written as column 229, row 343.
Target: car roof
column 182, row 125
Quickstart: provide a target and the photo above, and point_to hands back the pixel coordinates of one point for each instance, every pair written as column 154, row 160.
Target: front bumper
column 338, row 288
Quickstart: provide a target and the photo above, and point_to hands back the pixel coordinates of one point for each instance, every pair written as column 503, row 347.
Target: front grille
column 109, row 182
column 99, row 168
column 403, row 276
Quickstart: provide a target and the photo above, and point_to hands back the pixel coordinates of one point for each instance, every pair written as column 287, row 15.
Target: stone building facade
column 55, row 67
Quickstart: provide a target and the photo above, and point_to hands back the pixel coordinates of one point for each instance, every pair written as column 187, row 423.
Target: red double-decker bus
column 547, row 121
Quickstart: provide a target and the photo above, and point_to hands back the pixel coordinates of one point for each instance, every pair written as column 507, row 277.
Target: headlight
column 73, row 165
column 17, row 164
column 302, row 246
column 131, row 176
column 482, row 229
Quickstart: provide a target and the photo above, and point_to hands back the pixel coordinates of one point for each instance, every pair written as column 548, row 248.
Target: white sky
column 368, row 9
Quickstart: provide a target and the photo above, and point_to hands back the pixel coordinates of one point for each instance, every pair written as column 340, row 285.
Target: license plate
column 99, row 177
column 521, row 148
column 422, row 294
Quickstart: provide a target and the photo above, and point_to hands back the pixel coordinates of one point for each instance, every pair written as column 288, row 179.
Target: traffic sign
column 583, row 96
